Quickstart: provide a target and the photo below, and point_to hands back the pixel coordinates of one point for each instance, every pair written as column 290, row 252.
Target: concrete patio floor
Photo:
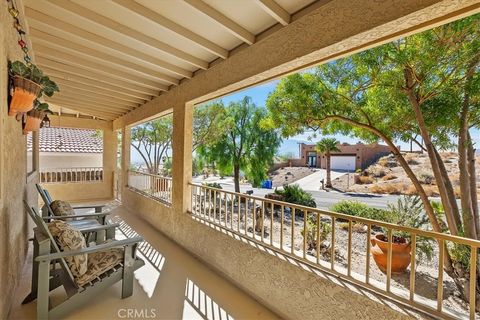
column 172, row 285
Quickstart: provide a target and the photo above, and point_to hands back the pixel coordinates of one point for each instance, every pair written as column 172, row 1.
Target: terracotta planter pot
column 400, row 252
column 24, row 92
column 33, row 122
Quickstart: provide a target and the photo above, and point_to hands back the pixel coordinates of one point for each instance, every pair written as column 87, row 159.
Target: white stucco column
column 182, row 157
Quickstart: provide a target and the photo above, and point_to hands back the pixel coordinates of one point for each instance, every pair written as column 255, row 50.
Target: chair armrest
column 86, row 215
column 99, row 207
column 92, row 249
column 100, row 227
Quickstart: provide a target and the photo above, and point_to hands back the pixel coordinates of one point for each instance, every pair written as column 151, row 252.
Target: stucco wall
column 365, row 153
column 15, row 186
column 69, row 160
column 79, row 192
column 288, row 290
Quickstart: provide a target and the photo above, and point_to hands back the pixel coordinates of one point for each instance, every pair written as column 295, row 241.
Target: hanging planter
column 29, row 83
column 37, row 118
column 24, row 93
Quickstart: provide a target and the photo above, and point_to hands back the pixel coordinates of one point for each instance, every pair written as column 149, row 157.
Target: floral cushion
column 100, row 262
column 62, row 208
column 68, row 239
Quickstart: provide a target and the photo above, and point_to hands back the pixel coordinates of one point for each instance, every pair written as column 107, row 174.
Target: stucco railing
column 71, row 175
column 155, row 186
column 344, row 246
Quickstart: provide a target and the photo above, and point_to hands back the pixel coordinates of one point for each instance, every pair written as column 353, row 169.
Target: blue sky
column 259, row 95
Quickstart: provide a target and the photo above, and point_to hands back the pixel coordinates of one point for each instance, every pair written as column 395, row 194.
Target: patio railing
column 71, row 175
column 344, row 247
column 151, row 185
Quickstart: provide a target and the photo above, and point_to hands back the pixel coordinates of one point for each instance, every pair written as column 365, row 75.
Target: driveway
column 313, row 182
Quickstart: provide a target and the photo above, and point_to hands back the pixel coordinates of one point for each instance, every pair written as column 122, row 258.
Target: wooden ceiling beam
column 92, row 86
column 98, row 40
column 275, row 10
column 85, row 111
column 90, row 102
column 126, row 87
column 228, row 24
column 52, row 41
column 79, row 62
column 173, row 27
column 81, row 104
column 93, row 97
column 131, row 33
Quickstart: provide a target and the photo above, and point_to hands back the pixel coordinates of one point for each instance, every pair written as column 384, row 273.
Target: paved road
column 324, row 199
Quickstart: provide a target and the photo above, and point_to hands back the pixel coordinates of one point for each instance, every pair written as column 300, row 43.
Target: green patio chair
column 79, row 221
column 50, row 269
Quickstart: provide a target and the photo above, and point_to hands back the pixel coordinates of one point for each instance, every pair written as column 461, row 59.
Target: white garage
column 343, row 163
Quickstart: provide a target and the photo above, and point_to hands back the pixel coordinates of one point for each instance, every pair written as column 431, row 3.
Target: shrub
column 294, row 194
column 360, row 209
column 364, row 180
column 325, row 230
column 389, row 176
column 383, row 162
column 389, row 188
column 410, row 158
column 426, row 178
column 377, row 171
column 214, row 185
column 408, row 212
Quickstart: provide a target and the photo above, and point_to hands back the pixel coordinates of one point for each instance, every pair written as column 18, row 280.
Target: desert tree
column 423, row 86
column 244, row 145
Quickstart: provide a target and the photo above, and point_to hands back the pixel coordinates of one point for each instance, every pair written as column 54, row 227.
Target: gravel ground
column 288, row 175
column 426, row 271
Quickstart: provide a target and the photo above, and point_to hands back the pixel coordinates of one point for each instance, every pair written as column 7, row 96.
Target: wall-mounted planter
column 24, row 93
column 33, row 121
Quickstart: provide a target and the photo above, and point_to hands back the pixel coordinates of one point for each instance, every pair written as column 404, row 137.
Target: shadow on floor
column 172, row 285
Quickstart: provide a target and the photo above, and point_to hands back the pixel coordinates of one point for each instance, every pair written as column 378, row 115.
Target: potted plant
column 29, row 83
column 407, row 212
column 36, row 117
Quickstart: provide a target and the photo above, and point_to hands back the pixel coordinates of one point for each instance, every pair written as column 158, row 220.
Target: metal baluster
column 225, row 205
column 349, row 253
column 254, row 218
column 318, row 238
column 389, row 259
column 367, row 264
column 332, row 252
column 473, row 280
column 441, row 257
column 262, row 222
column 305, row 234
column 292, row 210
column 281, row 226
column 413, row 251
column 271, row 223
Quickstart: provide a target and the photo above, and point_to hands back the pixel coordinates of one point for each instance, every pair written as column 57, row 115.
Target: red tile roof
column 71, row 140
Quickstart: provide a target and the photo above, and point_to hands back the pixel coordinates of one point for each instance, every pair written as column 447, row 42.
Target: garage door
column 343, row 163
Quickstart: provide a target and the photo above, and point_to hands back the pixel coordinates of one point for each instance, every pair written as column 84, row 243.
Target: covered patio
column 119, row 63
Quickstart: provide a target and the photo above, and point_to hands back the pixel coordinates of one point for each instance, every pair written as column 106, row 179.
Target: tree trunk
column 469, row 224
column 449, row 186
column 236, row 177
column 396, row 152
column 473, row 181
column 447, row 205
column 329, row 178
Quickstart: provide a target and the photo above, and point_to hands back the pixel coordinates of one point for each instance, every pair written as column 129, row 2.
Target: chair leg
column 127, row 281
column 43, row 289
